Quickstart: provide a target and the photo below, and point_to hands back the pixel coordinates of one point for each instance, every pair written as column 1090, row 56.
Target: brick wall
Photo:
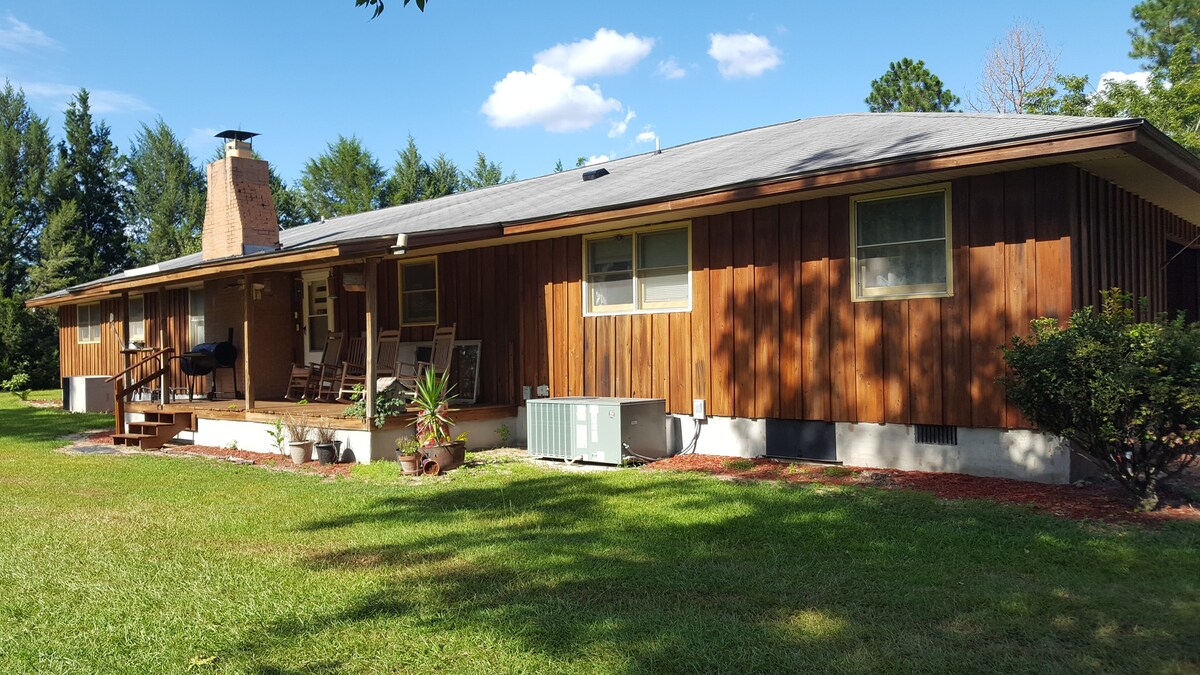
column 239, row 215
column 272, row 334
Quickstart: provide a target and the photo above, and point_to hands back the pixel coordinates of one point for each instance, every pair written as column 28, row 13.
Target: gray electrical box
column 595, row 429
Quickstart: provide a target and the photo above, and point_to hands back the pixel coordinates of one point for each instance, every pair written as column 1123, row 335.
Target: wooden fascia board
column 1104, row 138
column 1157, row 150
column 203, row 272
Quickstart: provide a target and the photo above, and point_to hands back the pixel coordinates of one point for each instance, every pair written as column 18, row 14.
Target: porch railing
column 124, row 385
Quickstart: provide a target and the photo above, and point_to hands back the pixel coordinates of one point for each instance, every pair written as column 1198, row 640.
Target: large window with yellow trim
column 900, row 243
column 87, row 323
column 418, row 292
column 644, row 270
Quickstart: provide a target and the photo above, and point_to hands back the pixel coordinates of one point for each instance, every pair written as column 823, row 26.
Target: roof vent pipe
column 656, row 150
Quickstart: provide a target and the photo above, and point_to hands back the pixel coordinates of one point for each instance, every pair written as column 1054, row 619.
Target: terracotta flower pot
column 448, row 456
column 410, row 465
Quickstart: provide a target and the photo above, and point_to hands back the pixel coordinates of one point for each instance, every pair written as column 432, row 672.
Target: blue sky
column 525, row 82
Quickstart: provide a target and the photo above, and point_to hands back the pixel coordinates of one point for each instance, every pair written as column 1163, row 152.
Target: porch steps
column 156, row 430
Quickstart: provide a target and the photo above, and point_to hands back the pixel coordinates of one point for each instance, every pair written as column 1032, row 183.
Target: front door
column 318, row 313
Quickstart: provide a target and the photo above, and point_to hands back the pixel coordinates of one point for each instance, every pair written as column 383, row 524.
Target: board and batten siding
column 1122, row 242
column 772, row 331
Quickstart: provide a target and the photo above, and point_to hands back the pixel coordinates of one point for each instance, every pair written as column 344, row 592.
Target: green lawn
column 143, row 563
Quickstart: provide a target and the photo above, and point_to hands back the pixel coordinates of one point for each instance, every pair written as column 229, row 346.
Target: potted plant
column 408, row 455
column 326, row 445
column 300, row 445
column 431, row 401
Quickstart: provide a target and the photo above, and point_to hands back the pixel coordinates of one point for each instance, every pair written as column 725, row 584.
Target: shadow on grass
column 677, row 573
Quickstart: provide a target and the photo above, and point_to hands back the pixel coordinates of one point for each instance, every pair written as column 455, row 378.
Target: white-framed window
column 87, row 323
column 642, row 270
column 418, row 292
column 137, row 319
column 900, row 243
column 195, row 316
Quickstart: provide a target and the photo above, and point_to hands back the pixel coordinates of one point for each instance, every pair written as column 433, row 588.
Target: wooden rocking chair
column 310, row 380
column 439, row 360
column 386, row 362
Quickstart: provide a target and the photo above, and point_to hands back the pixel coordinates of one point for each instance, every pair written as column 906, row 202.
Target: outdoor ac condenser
column 593, row 429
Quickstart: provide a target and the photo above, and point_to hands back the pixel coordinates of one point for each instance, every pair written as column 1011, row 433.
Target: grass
column 148, row 564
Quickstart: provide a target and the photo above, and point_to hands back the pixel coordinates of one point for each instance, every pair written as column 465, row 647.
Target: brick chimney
column 239, row 217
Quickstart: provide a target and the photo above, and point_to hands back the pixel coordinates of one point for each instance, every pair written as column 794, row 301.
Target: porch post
column 123, row 331
column 161, row 310
column 372, row 330
column 247, row 313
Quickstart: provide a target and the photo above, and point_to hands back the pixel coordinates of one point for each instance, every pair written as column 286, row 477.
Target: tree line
column 77, row 208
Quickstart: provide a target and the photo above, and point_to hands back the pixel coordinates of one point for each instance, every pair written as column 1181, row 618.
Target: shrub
column 17, row 384
column 1122, row 392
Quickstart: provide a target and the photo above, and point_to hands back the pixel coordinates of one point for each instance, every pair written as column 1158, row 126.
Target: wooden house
column 833, row 288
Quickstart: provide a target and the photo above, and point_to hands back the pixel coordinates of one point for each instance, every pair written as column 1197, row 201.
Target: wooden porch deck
column 320, row 413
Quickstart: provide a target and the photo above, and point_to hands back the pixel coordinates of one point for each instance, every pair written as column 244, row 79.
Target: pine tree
column 87, row 174
column 444, row 178
column 165, row 209
column 345, row 179
column 908, row 86
column 410, row 176
column 485, row 174
column 290, row 207
column 25, row 154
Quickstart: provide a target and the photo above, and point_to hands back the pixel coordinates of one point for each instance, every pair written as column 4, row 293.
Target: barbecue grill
column 205, row 359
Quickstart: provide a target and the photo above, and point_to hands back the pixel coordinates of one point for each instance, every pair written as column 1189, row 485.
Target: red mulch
column 100, row 437
column 255, row 458
column 259, row 459
column 1104, row 501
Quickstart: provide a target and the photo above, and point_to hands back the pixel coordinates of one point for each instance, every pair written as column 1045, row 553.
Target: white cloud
column 647, row 136
column 547, row 97
column 619, row 128
column 742, row 54
column 1141, row 79
column 608, row 53
column 101, row 100
column 595, row 159
column 670, row 69
column 18, row 36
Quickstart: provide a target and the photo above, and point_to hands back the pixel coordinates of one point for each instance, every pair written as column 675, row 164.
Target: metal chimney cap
column 232, row 135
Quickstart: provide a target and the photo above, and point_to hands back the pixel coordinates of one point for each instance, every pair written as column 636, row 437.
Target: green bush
column 17, row 384
column 1121, row 391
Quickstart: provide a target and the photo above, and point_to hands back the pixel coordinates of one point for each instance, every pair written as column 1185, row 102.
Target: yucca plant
column 432, row 401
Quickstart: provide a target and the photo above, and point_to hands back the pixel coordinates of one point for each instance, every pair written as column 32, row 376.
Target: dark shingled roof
column 761, row 155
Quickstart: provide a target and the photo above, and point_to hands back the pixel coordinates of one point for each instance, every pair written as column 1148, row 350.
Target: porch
column 319, row 413
column 229, row 423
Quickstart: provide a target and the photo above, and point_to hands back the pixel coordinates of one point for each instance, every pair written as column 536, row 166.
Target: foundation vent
column 932, row 434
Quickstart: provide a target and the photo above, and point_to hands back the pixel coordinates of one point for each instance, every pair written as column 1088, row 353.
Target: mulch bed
column 258, row 459
column 1103, row 501
column 238, row 456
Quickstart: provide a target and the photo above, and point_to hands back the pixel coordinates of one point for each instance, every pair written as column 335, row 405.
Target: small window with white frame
column 418, row 292
column 646, row 270
column 195, row 316
column 137, row 319
column 900, row 243
column 87, row 325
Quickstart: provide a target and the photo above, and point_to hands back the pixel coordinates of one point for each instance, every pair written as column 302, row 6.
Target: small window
column 418, row 293
column 137, row 319
column 88, row 323
column 195, row 316
column 900, row 242
column 638, row 271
